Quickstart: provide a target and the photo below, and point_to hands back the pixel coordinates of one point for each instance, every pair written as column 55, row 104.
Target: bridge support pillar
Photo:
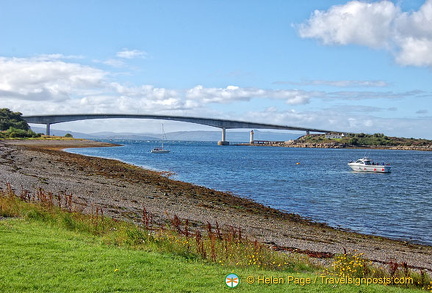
column 48, row 129
column 223, row 141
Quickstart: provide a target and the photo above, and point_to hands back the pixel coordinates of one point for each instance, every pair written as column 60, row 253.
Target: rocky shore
column 337, row 145
column 124, row 190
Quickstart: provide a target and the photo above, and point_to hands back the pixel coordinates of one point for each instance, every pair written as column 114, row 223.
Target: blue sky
column 355, row 66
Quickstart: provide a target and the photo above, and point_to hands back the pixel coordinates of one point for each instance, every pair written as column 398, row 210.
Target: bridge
column 223, row 124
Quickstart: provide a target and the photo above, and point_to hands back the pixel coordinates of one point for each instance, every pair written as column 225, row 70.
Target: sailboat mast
column 161, row 150
column 163, row 136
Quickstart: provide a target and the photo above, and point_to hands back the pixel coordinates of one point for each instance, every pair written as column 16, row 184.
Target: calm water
column 321, row 187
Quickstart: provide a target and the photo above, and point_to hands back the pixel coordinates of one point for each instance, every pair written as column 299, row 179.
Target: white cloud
column 379, row 25
column 35, row 79
column 338, row 83
column 356, row 22
column 88, row 88
column 417, row 52
column 131, row 54
column 147, row 91
column 49, row 85
column 113, row 62
column 121, row 58
column 336, row 120
column 370, row 95
column 54, row 57
column 234, row 94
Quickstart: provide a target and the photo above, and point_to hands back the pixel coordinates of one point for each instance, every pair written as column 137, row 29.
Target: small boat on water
column 367, row 165
column 161, row 150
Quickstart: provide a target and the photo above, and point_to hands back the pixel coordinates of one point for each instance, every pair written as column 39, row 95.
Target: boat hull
column 370, row 168
column 159, row 151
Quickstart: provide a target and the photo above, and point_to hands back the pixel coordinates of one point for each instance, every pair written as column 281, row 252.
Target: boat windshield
column 364, row 162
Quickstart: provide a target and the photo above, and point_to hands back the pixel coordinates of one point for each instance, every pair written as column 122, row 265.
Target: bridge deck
column 219, row 123
column 224, row 124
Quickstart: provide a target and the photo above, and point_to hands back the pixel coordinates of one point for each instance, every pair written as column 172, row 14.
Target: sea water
column 314, row 183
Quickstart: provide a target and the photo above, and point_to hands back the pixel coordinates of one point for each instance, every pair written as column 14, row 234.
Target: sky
column 353, row 66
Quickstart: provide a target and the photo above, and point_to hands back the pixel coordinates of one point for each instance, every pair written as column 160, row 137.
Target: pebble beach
column 123, row 191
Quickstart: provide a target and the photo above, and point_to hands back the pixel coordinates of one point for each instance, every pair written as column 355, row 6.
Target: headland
column 339, row 141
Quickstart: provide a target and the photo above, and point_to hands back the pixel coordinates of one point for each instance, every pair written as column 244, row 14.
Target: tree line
column 12, row 125
column 363, row 139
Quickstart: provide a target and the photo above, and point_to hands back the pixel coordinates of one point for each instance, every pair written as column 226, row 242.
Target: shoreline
column 123, row 190
column 337, row 146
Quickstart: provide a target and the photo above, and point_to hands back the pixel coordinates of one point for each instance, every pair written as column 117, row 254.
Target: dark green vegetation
column 46, row 247
column 12, row 125
column 365, row 140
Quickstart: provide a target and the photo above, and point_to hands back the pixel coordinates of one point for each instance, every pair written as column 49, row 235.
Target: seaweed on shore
column 134, row 174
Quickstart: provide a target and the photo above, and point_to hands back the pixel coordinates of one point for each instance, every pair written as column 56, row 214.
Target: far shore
column 123, row 190
column 336, row 145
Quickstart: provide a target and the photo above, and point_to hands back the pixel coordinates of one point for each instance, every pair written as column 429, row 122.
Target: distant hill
column 232, row 135
column 99, row 135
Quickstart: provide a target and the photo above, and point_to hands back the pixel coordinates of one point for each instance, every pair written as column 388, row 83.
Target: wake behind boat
column 367, row 165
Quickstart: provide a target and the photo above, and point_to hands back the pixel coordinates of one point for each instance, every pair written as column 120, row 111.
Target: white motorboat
column 367, row 165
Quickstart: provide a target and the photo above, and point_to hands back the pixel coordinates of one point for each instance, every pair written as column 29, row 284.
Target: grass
column 45, row 247
column 39, row 258
column 53, row 260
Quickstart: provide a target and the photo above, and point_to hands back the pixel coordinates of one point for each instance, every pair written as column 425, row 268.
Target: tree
column 10, row 119
column 12, row 125
column 354, row 141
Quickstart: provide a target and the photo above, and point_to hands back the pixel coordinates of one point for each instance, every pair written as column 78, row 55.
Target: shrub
column 10, row 119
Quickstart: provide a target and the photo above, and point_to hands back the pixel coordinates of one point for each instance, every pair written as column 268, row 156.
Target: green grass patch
column 39, row 258
column 45, row 247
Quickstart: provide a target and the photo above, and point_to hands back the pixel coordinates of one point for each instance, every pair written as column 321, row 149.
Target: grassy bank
column 47, row 247
column 37, row 258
